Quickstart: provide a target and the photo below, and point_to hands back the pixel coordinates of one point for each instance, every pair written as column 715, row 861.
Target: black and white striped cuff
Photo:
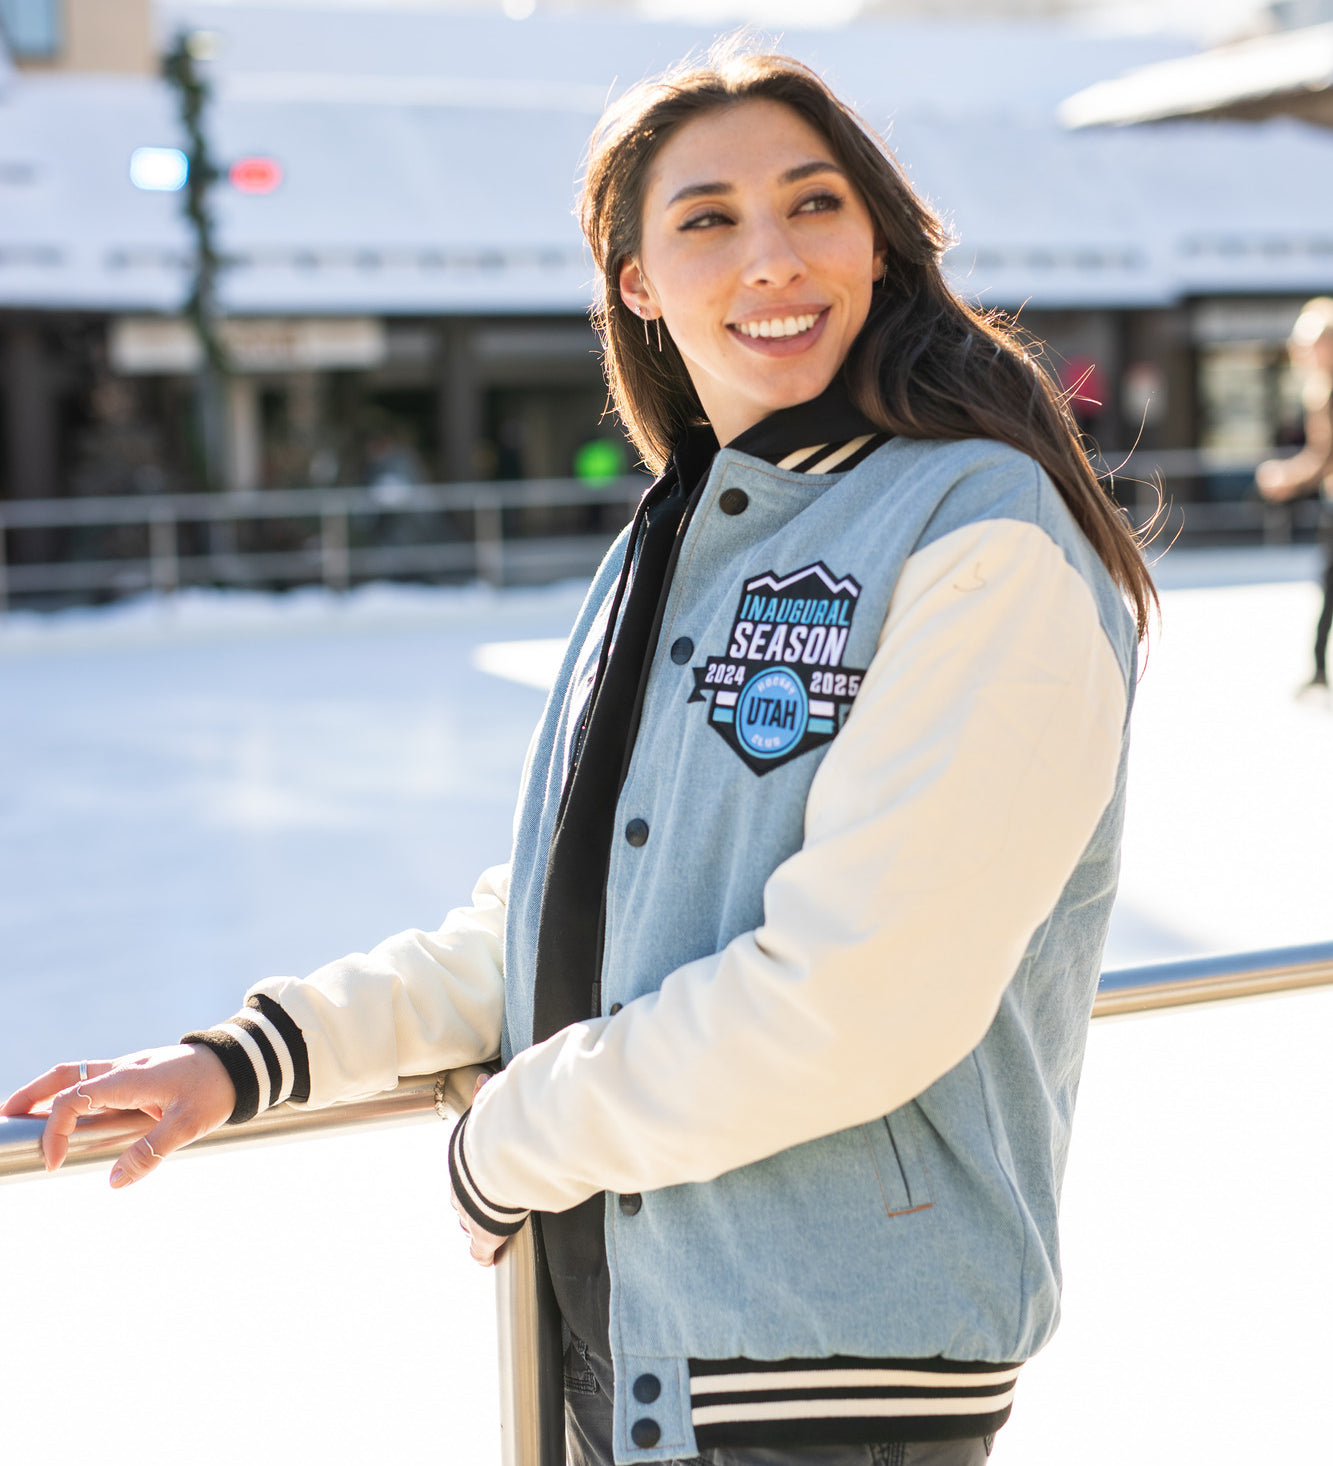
column 500, row 1221
column 264, row 1054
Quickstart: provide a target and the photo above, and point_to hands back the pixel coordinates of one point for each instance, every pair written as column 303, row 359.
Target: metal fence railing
column 500, row 531
column 1206, row 495
column 532, row 1432
column 456, row 530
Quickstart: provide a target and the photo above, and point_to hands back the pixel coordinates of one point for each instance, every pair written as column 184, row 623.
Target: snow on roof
column 430, row 160
column 1285, row 64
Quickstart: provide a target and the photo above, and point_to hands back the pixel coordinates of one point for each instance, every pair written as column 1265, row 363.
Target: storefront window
column 1248, row 396
column 1237, row 396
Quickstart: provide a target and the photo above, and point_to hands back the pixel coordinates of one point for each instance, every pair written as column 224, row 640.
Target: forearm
column 416, row 1003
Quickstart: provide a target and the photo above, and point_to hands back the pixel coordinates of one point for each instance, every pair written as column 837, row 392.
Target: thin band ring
column 93, row 1109
column 151, row 1151
column 83, row 1070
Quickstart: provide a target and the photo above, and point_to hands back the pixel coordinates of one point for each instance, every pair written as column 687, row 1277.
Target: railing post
column 334, row 559
column 164, row 567
column 532, row 1394
column 489, row 521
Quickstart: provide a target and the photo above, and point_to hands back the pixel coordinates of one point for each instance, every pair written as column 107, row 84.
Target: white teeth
column 781, row 326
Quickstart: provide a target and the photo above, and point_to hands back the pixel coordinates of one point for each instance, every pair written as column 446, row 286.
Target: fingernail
column 118, row 1177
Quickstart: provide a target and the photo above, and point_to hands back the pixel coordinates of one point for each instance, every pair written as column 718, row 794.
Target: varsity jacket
column 869, row 833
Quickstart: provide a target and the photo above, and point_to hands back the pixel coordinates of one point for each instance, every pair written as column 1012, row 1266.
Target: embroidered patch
column 782, row 688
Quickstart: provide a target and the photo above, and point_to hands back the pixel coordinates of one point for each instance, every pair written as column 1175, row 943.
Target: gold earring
column 646, row 341
column 657, row 321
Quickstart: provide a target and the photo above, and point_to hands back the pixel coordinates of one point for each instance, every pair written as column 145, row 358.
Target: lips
column 778, row 327
column 781, row 334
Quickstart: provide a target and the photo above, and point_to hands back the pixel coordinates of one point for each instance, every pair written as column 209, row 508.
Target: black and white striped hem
column 846, row 1401
column 264, row 1054
column 500, row 1221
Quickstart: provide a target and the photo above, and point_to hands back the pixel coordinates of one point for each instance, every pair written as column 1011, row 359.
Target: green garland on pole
column 201, row 307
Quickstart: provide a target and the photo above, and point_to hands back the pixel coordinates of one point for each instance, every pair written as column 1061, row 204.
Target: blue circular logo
column 771, row 713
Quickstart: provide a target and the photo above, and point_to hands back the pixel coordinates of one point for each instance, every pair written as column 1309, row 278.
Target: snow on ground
column 198, row 793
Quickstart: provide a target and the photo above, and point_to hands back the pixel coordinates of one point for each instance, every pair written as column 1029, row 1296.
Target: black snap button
column 647, row 1388
column 645, row 1432
column 630, row 1203
column 615, row 1008
column 636, row 832
column 733, row 501
column 682, row 649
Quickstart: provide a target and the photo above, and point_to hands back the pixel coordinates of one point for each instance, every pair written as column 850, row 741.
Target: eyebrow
column 792, row 175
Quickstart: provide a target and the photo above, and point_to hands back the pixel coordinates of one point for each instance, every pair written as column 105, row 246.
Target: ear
column 635, row 290
column 881, row 257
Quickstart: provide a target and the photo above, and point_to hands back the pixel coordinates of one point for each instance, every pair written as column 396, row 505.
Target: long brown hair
column 925, row 365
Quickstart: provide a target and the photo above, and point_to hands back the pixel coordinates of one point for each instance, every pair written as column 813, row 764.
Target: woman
column 792, row 964
column 1311, row 470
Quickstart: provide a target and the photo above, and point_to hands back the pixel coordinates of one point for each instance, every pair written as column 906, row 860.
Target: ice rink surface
column 197, row 794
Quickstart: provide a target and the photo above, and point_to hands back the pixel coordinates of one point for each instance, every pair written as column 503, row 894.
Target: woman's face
column 759, row 256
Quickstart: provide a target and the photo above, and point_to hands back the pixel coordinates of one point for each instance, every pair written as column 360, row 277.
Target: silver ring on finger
column 93, row 1108
column 151, row 1151
column 83, row 1070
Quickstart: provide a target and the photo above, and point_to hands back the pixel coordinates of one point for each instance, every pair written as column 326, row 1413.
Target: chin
column 792, row 393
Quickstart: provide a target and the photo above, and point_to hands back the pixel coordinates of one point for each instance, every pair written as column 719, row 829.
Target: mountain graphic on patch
column 781, row 688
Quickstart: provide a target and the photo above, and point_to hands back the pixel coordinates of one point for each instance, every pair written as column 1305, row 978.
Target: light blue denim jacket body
column 930, row 1232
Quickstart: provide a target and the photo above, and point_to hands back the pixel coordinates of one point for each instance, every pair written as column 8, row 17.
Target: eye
column 705, row 219
column 820, row 203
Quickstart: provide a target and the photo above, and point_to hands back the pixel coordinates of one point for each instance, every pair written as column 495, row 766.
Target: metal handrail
column 531, row 1429
column 107, row 509
column 333, row 559
column 100, row 1138
column 1212, row 978
column 1139, row 989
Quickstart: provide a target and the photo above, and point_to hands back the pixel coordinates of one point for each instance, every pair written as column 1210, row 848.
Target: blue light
column 159, row 170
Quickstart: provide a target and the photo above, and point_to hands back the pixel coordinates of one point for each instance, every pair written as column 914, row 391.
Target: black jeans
column 1326, row 613
column 588, row 1433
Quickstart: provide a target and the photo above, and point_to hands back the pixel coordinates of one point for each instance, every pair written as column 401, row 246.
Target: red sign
column 255, row 175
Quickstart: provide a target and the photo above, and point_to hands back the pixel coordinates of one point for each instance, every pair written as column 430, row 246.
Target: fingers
column 482, row 1246
column 487, row 1255
column 62, row 1076
column 144, row 1156
column 115, row 1089
column 184, row 1089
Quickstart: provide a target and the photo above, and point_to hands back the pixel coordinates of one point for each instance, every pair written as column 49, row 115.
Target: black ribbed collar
column 831, row 418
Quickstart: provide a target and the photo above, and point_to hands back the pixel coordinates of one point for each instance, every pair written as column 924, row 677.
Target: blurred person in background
column 1311, row 470
column 791, row 966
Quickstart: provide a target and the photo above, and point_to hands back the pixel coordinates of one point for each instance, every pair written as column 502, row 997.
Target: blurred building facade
column 406, row 290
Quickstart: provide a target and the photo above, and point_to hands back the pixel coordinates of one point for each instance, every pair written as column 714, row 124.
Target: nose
column 774, row 258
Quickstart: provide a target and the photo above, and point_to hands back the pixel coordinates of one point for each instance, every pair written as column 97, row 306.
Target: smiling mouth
column 778, row 328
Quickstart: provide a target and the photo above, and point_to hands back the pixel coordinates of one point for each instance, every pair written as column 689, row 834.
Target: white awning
column 1289, row 64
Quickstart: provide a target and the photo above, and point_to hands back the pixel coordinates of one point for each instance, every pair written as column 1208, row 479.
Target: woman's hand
column 483, row 1247
column 1275, row 480
column 185, row 1088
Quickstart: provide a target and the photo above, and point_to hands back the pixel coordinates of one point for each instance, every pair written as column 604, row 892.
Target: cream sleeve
column 940, row 830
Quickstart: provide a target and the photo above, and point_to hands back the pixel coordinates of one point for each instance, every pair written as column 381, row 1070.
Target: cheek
column 693, row 298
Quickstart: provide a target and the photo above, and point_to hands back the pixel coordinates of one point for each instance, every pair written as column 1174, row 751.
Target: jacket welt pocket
column 895, row 1153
